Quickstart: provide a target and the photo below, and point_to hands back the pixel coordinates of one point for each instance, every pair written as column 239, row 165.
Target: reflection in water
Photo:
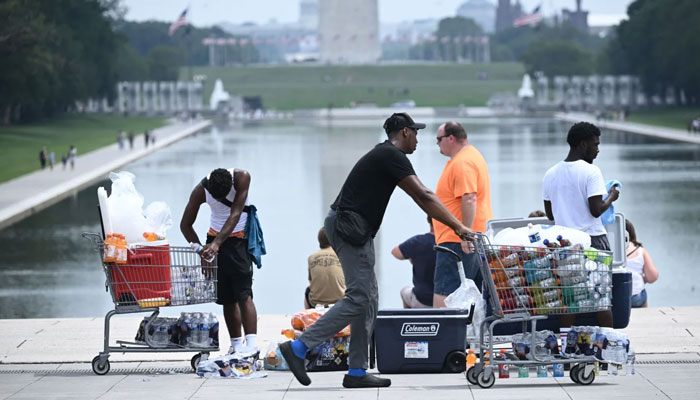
column 48, row 270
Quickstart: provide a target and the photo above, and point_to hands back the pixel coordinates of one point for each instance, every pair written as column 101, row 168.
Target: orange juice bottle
column 121, row 249
column 110, row 249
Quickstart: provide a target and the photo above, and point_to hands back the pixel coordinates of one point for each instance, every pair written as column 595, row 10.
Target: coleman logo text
column 420, row 329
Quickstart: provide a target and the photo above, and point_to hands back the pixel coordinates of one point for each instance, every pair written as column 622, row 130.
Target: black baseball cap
column 398, row 121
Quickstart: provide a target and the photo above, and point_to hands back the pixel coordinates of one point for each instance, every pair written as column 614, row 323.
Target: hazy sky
column 209, row 12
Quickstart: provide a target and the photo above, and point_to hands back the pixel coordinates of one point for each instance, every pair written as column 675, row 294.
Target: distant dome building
column 349, row 31
column 481, row 11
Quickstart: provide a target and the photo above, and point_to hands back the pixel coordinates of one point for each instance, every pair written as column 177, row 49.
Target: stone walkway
column 642, row 129
column 32, row 192
column 50, row 359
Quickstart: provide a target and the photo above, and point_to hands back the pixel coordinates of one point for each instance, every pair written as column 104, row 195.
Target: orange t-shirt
column 465, row 173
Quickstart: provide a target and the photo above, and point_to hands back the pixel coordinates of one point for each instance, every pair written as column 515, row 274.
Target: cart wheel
column 100, row 369
column 195, row 361
column 573, row 373
column 455, row 361
column 582, row 378
column 485, row 382
column 471, row 375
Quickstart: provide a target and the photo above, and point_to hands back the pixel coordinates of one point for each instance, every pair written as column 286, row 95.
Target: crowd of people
column 48, row 158
column 341, row 272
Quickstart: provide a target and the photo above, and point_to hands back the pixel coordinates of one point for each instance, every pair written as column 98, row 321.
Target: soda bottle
column 471, row 359
column 152, row 236
column 110, row 250
column 523, row 372
column 503, row 371
column 558, row 370
column 121, row 249
column 541, row 371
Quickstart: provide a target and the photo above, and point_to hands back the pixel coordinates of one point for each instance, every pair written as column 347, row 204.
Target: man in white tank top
column 226, row 193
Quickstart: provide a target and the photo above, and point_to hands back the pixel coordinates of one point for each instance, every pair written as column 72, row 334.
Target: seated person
column 419, row 249
column 326, row 279
column 537, row 214
column 641, row 266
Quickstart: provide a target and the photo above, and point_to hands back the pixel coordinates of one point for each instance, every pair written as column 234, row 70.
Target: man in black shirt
column 351, row 225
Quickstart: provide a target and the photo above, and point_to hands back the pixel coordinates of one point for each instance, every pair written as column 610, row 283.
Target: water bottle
column 214, row 330
column 204, row 339
column 160, row 336
column 198, row 249
column 193, row 340
column 631, row 360
column 533, row 234
column 185, row 328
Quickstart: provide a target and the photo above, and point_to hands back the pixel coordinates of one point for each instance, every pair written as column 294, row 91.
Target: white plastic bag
column 519, row 236
column 125, row 206
column 463, row 298
column 477, row 318
column 159, row 218
column 126, row 210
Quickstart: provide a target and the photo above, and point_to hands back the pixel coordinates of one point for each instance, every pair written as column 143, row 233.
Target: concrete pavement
column 49, row 359
column 23, row 196
column 677, row 135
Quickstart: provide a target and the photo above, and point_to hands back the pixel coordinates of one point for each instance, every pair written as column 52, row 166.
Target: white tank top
column 636, row 266
column 220, row 211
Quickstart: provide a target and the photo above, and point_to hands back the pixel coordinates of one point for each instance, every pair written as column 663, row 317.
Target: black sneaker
column 365, row 381
column 296, row 364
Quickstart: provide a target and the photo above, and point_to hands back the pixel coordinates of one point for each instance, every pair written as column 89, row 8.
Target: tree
column 451, row 36
column 53, row 54
column 659, row 43
column 164, row 63
column 558, row 57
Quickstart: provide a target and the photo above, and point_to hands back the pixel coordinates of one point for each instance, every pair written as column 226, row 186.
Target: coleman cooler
column 421, row 340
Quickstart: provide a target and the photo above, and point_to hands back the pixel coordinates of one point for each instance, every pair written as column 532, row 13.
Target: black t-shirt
column 420, row 250
column 372, row 181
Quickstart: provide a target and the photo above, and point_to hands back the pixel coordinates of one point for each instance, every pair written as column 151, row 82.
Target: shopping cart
column 154, row 276
column 526, row 284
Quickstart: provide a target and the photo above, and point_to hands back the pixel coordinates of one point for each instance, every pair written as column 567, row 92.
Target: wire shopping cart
column 526, row 284
column 154, row 276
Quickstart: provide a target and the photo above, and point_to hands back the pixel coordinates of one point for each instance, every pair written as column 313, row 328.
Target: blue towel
column 253, row 231
column 608, row 216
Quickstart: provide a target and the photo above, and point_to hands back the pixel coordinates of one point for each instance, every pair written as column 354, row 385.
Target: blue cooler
column 421, row 340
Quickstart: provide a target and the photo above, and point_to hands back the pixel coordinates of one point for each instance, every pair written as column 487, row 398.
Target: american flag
column 181, row 21
column 528, row 19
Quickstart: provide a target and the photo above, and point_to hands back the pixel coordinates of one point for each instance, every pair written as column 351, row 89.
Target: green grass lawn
column 293, row 87
column 677, row 118
column 20, row 144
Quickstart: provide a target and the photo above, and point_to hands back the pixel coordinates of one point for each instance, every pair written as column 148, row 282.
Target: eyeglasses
column 439, row 138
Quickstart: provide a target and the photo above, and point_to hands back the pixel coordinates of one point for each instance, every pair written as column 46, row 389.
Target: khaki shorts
column 409, row 298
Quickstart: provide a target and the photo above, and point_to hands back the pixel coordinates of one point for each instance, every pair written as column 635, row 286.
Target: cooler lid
column 423, row 312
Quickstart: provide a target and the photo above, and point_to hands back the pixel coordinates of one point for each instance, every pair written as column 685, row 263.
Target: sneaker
column 296, row 364
column 366, row 381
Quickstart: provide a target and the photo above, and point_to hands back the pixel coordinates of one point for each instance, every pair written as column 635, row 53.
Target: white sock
column 236, row 343
column 250, row 341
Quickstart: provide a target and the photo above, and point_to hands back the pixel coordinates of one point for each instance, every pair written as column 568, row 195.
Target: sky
column 210, row 12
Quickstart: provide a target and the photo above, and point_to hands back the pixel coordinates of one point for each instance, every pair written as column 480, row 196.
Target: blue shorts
column 446, row 273
column 639, row 300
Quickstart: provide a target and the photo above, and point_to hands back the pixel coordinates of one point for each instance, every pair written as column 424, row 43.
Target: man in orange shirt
column 465, row 190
